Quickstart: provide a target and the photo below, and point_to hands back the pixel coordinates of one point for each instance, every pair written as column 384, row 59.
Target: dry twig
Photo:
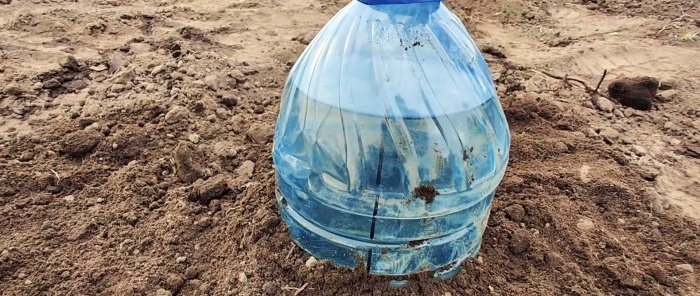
column 297, row 291
column 584, row 85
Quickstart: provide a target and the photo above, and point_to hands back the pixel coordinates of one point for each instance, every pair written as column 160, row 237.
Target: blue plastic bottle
column 390, row 141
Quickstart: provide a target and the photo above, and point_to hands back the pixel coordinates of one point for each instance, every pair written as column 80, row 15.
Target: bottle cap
column 381, row 2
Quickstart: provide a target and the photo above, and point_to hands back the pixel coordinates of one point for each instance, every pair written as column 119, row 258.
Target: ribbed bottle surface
column 390, row 141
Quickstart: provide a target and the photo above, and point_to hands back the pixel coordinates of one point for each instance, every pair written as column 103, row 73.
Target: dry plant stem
column 583, row 83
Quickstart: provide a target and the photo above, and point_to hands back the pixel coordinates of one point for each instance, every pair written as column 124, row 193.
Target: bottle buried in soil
column 390, row 141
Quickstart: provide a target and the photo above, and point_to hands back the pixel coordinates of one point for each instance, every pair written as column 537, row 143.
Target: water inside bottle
column 395, row 193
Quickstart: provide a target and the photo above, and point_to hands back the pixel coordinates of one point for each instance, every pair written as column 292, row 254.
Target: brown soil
column 142, row 166
column 426, row 193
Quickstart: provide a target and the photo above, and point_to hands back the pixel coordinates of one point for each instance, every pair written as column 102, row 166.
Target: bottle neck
column 384, row 2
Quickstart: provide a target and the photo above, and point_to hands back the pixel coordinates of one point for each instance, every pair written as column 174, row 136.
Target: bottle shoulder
column 372, row 58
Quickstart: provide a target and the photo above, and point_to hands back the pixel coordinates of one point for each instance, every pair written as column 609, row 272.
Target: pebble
column 639, row 150
column 245, row 170
column 242, row 277
column 685, row 267
column 71, row 63
column 176, row 114
column 269, row 288
column 585, row 224
column 51, row 83
column 603, row 104
column 163, row 292
column 259, row 109
column 100, row 200
column 194, row 138
column 260, row 133
column 157, row 70
column 609, row 135
column 13, row 89
column 139, row 47
column 222, row 113
column 117, row 87
column 618, row 113
column 181, row 259
column 667, row 95
column 311, row 262
column 69, row 198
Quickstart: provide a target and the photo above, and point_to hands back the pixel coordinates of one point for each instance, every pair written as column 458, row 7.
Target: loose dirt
column 135, row 142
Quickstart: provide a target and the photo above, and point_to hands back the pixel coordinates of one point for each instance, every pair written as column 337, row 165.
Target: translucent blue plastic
column 390, row 141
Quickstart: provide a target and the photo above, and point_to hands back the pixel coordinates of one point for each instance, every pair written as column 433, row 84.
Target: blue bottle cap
column 380, row 2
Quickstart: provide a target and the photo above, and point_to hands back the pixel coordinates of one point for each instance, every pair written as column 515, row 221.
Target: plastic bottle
column 390, row 141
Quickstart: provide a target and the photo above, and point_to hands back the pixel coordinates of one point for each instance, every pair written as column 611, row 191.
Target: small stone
column 311, row 262
column 561, row 147
column 667, row 95
column 222, row 113
column 100, row 200
column 618, row 113
column 13, row 89
column 69, row 198
column 226, row 149
column 609, row 135
column 269, row 288
column 176, row 76
column 228, row 101
column 115, row 146
column 26, row 156
column 181, row 259
column 639, row 150
column 51, row 83
column 260, row 133
column 118, row 87
column 194, row 138
column 170, row 135
column 192, row 272
column 245, row 170
column 205, row 222
column 99, row 68
column 479, row 260
column 603, row 104
column 585, row 224
column 177, row 114
column 173, row 282
column 259, row 109
column 163, row 292
column 139, row 47
column 157, row 70
column 71, row 63
column 242, row 277
column 685, row 268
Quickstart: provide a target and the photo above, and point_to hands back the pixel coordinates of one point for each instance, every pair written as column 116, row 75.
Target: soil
column 142, row 165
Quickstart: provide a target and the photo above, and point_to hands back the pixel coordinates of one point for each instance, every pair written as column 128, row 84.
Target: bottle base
column 443, row 255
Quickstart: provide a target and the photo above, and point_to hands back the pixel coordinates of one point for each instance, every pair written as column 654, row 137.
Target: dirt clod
column 81, row 142
column 520, row 242
column 190, row 162
column 516, row 213
column 426, row 193
column 205, row 191
column 71, row 64
column 637, row 92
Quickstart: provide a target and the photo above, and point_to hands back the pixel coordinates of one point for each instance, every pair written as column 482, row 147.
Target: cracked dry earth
column 135, row 143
